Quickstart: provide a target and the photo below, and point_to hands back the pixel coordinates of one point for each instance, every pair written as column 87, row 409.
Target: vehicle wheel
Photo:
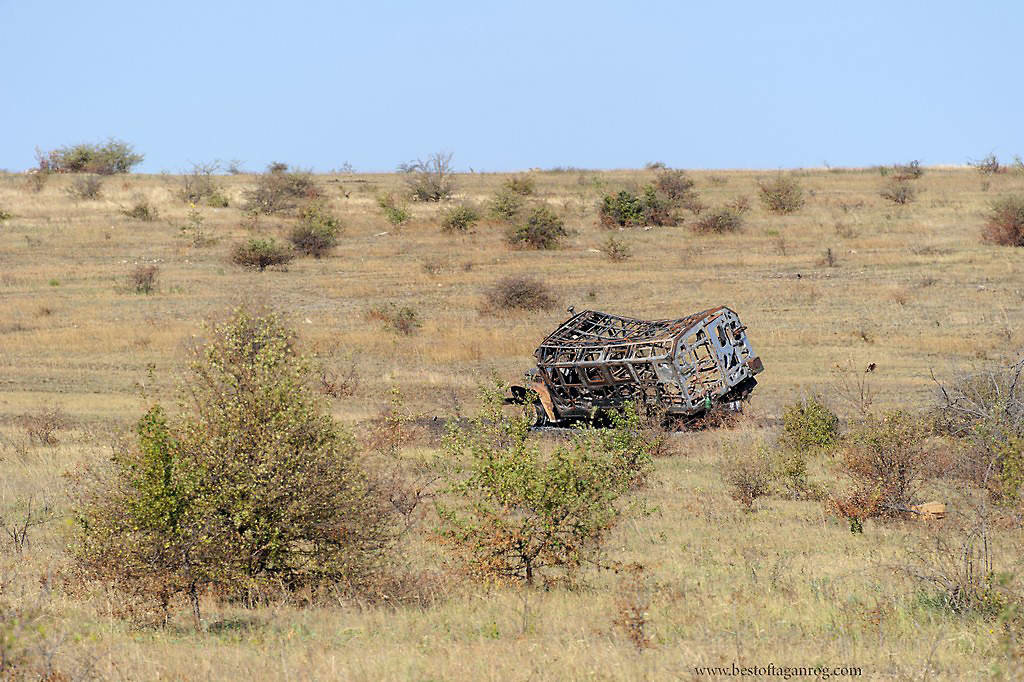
column 540, row 417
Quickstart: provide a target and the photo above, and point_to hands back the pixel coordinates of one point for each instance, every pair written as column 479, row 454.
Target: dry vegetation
column 742, row 550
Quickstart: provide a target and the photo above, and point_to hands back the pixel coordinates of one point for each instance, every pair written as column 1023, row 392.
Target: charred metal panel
column 597, row 360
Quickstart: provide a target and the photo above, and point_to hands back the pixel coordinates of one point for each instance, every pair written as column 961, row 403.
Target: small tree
column 108, row 158
column 432, row 179
column 254, row 487
column 517, row 512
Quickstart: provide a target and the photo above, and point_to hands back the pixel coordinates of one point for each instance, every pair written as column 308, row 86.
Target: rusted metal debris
column 596, row 361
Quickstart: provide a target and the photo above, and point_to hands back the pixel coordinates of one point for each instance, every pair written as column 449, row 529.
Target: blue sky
column 514, row 85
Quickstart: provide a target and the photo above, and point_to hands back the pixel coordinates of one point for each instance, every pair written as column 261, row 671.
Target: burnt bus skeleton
column 596, row 362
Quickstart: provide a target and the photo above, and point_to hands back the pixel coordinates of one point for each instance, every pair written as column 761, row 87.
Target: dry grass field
column 910, row 288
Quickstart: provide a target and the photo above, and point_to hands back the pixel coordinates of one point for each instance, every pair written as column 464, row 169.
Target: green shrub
column 520, row 293
column 87, row 188
column 542, row 230
column 262, row 254
column 254, row 488
column 522, row 185
column 279, row 189
column 109, row 158
column 898, row 191
column 516, row 512
column 1005, row 222
column 624, row 209
column 808, row 423
column 397, row 214
column 460, row 218
column 317, row 230
column 5, row 215
column 432, row 179
column 505, row 205
column 782, row 195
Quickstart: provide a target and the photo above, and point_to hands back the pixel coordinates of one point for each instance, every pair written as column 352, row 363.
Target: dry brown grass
column 788, row 583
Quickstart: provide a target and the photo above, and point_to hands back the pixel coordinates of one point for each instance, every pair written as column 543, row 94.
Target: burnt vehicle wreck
column 595, row 362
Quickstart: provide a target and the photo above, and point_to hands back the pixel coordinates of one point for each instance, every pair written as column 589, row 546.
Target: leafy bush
column 898, row 191
column 5, row 215
column 143, row 279
column 1005, row 222
column 460, row 218
column 808, row 423
column 616, row 250
column 782, row 195
column 87, row 187
column 655, row 207
column 728, row 218
column 432, row 179
column 505, row 205
column 519, row 513
column 317, row 231
column 109, row 158
column 624, row 209
column 887, row 459
column 520, row 293
column 253, row 488
column 261, row 254
column 542, row 230
column 278, row 190
column 397, row 214
column 141, row 210
column 522, row 185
